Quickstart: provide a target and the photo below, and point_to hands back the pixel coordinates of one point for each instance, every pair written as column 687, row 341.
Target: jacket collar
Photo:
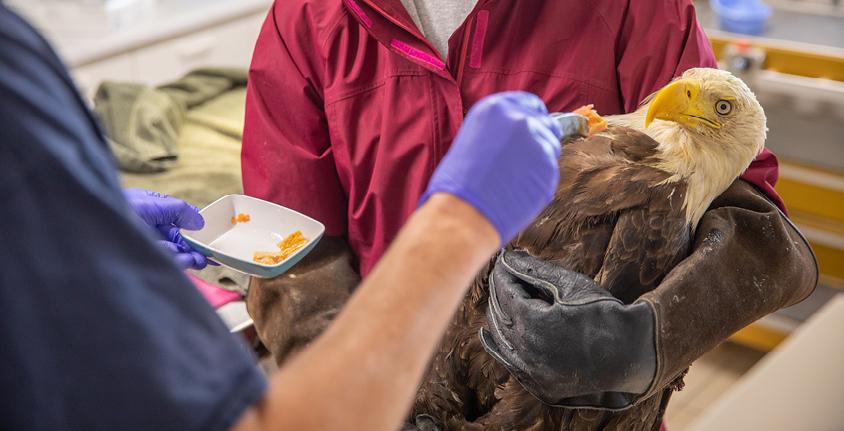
column 395, row 11
column 393, row 14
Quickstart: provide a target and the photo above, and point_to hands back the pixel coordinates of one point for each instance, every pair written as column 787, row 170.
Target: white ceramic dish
column 233, row 245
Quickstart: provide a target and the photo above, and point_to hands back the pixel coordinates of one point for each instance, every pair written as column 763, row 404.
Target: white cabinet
column 89, row 77
column 157, row 51
column 227, row 45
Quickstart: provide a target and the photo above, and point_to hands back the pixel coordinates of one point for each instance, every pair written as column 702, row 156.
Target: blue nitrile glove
column 167, row 215
column 503, row 161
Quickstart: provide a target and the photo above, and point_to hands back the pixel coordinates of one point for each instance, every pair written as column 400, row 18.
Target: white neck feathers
column 708, row 167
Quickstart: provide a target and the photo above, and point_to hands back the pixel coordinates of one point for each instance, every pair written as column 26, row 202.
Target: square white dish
column 234, row 245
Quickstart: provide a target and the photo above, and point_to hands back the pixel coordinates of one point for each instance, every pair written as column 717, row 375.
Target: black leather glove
column 564, row 338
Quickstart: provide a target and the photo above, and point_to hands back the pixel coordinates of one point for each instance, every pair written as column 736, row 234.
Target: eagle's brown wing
column 606, row 173
column 601, row 177
column 646, row 243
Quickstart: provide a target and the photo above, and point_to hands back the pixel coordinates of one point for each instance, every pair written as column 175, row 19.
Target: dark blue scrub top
column 98, row 329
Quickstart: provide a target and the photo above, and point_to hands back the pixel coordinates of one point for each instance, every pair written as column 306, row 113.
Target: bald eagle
column 625, row 211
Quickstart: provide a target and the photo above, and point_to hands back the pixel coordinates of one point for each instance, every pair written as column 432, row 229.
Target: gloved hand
column 564, row 338
column 167, row 215
column 503, row 161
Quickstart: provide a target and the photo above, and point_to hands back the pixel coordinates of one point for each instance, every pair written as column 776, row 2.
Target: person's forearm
column 362, row 373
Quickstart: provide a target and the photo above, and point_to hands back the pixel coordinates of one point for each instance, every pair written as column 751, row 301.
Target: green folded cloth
column 143, row 123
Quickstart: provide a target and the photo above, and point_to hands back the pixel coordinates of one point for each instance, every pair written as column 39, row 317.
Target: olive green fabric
column 208, row 166
column 143, row 123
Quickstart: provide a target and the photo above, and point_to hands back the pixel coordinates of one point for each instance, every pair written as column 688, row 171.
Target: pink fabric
column 417, row 54
column 216, row 296
column 763, row 173
column 364, row 19
column 478, row 40
column 349, row 110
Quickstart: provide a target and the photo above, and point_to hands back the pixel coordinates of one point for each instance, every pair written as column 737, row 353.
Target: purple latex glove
column 167, row 215
column 503, row 161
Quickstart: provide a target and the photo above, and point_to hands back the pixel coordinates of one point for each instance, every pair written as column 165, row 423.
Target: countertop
column 86, row 31
column 788, row 25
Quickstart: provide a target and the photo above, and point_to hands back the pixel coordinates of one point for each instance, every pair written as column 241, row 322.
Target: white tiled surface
column 709, row 378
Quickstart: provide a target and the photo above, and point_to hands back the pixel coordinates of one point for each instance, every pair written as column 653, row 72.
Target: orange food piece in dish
column 241, row 218
column 293, row 242
column 266, row 257
column 289, row 245
column 597, row 123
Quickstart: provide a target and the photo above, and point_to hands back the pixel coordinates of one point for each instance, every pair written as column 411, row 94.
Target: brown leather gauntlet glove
column 580, row 347
column 748, row 260
column 294, row 308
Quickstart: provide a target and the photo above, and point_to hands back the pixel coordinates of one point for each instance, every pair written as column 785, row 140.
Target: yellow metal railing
column 785, row 59
column 759, row 337
column 815, row 198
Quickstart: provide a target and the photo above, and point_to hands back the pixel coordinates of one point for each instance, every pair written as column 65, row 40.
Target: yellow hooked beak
column 679, row 102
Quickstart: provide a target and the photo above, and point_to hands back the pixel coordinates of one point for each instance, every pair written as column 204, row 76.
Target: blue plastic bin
column 742, row 16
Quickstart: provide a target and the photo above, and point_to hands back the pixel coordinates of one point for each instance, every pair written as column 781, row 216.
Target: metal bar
column 789, row 57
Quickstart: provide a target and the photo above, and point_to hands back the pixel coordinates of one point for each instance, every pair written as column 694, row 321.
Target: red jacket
column 349, row 108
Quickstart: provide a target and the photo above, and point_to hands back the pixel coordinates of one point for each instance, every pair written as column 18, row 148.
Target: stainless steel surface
column 571, row 124
column 87, row 32
column 824, row 7
column 805, row 117
column 788, row 23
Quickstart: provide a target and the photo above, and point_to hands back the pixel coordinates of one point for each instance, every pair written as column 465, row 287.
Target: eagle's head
column 712, row 105
column 710, row 127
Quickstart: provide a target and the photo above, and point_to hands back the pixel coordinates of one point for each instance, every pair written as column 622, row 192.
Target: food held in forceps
column 597, row 123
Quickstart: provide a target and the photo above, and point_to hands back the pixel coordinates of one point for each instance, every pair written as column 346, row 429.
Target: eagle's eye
column 723, row 107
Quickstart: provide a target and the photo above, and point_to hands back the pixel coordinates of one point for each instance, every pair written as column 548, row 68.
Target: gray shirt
column 437, row 19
